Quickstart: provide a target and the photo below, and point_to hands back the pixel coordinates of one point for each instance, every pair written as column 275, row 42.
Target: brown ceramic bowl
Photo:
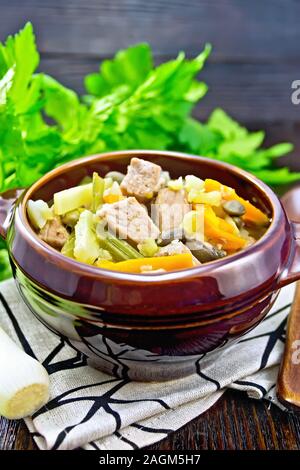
column 150, row 327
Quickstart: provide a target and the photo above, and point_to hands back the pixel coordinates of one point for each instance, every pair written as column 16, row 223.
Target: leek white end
column 24, row 384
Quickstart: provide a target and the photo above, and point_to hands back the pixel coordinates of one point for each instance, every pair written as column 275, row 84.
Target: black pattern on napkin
column 92, row 410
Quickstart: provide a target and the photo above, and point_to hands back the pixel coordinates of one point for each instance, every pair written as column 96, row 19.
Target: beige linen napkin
column 92, row 410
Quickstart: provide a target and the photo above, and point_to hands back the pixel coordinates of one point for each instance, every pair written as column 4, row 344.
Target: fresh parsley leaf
column 198, row 138
column 223, row 124
column 5, row 269
column 275, row 176
column 129, row 68
column 61, row 104
column 20, row 54
column 222, row 138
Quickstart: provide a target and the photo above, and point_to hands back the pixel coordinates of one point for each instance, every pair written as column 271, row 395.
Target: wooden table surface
column 254, row 62
column 235, row 422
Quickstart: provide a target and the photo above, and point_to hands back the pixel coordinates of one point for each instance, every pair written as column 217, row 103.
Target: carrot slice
column 168, row 263
column 252, row 215
column 223, row 225
column 214, row 231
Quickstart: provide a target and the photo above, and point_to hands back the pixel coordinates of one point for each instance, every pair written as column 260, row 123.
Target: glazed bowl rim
column 98, row 273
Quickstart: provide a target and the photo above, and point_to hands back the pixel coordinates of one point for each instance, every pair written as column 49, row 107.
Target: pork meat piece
column 143, row 179
column 169, row 209
column 54, row 233
column 128, row 219
column 176, row 247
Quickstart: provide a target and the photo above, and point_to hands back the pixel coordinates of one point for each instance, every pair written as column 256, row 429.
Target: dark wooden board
column 254, row 61
column 239, row 29
column 238, row 423
column 233, row 423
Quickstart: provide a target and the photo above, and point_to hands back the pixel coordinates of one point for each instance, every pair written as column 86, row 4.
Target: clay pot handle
column 7, row 202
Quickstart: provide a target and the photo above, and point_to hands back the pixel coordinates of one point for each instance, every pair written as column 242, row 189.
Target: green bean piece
column 116, row 176
column 238, row 222
column 234, row 208
column 205, row 252
column 168, row 236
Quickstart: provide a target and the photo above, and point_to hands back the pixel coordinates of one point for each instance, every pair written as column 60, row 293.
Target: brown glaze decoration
column 166, row 321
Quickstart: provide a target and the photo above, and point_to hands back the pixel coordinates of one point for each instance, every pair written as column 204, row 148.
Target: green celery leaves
column 128, row 69
column 224, row 139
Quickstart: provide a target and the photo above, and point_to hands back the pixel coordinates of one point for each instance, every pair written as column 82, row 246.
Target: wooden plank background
column 255, row 48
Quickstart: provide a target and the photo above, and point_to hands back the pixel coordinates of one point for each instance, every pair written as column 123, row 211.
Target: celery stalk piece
column 73, row 198
column 116, row 254
column 104, row 255
column 86, row 247
column 148, row 247
column 38, row 213
column 98, row 190
column 120, row 250
column 71, row 218
column 124, row 247
column 68, row 248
